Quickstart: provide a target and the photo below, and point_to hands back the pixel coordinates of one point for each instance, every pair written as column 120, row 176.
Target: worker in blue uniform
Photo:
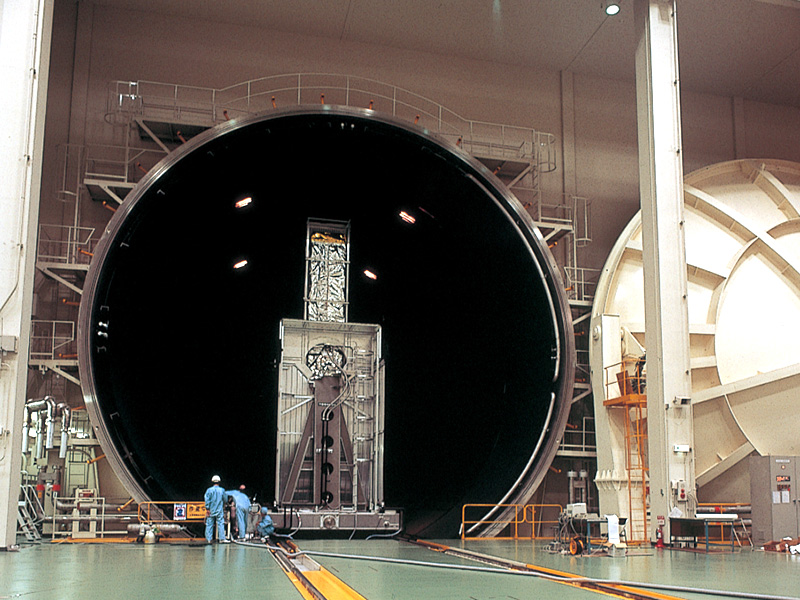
column 265, row 527
column 215, row 502
column 242, row 508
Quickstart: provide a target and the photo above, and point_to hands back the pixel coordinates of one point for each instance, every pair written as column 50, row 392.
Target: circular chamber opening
column 191, row 284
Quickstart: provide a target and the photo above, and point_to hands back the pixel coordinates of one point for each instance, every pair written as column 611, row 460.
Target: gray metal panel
column 362, row 407
column 774, row 498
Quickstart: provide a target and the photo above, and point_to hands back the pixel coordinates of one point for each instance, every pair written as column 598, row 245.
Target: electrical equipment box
column 774, row 497
column 679, row 488
column 577, row 509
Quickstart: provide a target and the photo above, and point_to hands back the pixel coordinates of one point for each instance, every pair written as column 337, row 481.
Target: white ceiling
column 746, row 48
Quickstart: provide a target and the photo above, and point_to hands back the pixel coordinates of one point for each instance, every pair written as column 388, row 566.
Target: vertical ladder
column 77, row 470
column 636, row 467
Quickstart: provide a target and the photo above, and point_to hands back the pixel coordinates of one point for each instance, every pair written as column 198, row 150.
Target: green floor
column 94, row 571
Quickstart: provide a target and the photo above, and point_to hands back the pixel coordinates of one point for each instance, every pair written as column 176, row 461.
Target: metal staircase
column 28, row 509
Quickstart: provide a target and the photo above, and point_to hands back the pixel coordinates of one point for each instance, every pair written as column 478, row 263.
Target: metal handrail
column 65, row 244
column 523, row 514
column 48, row 336
column 121, row 164
column 157, row 512
column 586, row 440
column 633, row 380
column 137, row 98
column 581, row 282
column 33, row 504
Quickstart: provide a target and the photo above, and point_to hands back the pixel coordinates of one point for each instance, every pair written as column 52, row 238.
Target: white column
column 25, row 28
column 664, row 256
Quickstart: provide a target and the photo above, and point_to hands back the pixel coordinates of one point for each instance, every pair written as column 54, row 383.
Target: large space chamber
column 181, row 317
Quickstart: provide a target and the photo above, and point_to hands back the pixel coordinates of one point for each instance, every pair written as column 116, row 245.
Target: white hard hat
column 215, row 479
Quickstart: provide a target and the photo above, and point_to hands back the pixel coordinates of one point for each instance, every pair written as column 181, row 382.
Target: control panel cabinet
column 774, row 497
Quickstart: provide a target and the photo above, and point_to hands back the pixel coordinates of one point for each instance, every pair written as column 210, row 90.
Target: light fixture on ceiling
column 611, row 8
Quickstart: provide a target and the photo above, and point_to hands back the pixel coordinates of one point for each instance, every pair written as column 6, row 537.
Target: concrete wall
column 95, row 44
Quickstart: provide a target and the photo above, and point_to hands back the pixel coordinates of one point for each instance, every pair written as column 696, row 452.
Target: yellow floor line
column 331, row 586
column 624, row 591
column 622, row 588
column 325, row 582
column 300, row 587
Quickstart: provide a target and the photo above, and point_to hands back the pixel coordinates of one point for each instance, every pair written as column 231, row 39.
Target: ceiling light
column 611, row 8
column 370, row 274
column 240, row 264
column 243, row 202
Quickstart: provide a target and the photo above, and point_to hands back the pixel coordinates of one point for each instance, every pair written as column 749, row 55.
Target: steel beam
column 61, row 280
column 25, row 33
column 664, row 257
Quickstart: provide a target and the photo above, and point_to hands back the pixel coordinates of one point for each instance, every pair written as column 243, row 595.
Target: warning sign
column 195, row 511
column 179, row 512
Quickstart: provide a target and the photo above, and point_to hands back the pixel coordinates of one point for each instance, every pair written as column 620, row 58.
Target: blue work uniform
column 215, row 499
column 242, row 508
column 265, row 527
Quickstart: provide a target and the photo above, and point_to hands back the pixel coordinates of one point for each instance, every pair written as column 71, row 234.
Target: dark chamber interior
column 187, row 378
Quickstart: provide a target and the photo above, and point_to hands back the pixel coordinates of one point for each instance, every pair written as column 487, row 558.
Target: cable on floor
column 556, row 578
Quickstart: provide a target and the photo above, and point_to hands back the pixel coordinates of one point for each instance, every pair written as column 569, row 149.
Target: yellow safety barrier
column 523, row 520
column 729, row 507
column 185, row 511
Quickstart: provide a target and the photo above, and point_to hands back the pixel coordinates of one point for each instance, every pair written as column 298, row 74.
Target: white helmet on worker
column 215, row 479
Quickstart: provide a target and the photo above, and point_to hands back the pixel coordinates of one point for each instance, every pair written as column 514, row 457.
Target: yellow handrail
column 522, row 524
column 182, row 511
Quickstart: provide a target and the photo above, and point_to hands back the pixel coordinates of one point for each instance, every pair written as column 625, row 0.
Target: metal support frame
column 335, row 480
column 663, row 252
column 334, row 418
column 24, row 57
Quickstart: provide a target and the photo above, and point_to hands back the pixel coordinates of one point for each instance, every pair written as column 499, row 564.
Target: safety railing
column 71, row 165
column 119, row 164
column 208, row 106
column 525, row 521
column 579, row 438
column 625, row 379
column 65, row 245
column 716, row 530
column 188, row 511
column 98, row 164
column 49, row 339
column 32, row 502
column 581, row 283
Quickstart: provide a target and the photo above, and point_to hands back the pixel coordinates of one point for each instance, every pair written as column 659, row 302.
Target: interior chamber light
column 240, row 264
column 243, row 202
column 370, row 274
column 611, row 8
column 407, row 217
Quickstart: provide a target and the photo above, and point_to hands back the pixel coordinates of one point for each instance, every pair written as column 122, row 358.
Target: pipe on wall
column 65, row 413
column 48, row 404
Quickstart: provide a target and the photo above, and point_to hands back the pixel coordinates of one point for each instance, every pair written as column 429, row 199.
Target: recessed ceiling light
column 611, row 8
